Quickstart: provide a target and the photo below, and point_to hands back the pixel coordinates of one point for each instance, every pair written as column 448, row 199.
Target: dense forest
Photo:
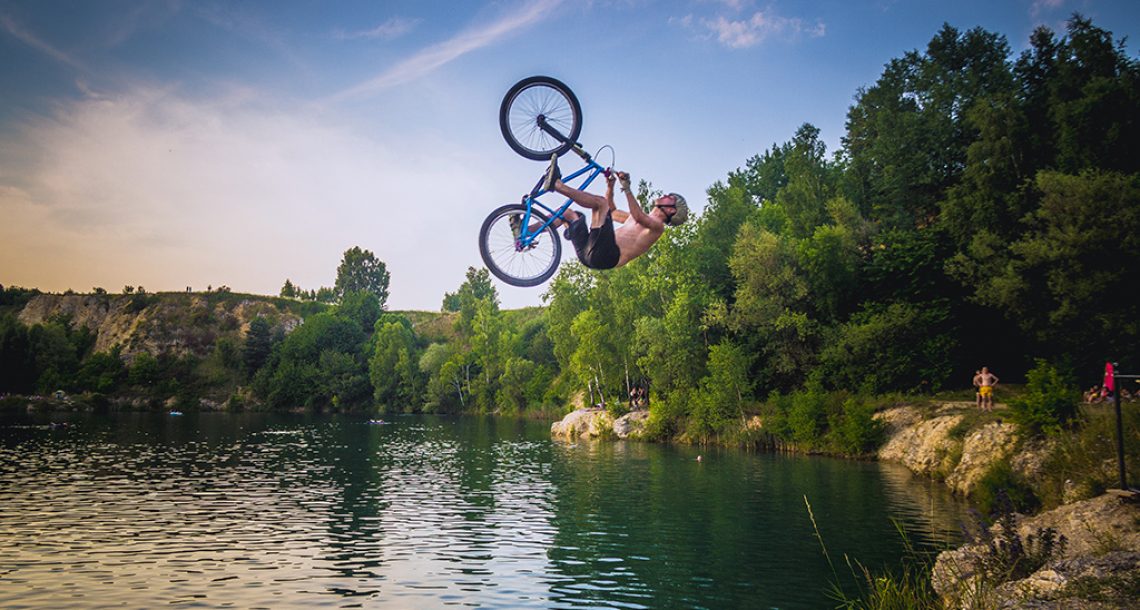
column 983, row 209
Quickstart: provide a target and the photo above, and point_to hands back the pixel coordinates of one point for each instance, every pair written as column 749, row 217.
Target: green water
column 275, row 511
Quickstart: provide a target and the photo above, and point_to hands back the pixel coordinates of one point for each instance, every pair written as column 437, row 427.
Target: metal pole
column 1119, row 427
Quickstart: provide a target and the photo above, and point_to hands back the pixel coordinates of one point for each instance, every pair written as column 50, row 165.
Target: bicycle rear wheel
column 501, row 252
column 540, row 97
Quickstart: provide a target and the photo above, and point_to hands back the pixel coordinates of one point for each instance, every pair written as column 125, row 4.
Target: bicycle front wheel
column 532, row 101
column 507, row 258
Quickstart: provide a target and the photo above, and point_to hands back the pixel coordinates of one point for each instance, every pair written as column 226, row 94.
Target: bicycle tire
column 524, row 268
column 540, row 96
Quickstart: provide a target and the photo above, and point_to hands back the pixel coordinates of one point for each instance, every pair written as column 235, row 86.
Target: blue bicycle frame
column 526, row 235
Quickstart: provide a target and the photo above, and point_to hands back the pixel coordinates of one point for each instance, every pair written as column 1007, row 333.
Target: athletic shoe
column 552, row 174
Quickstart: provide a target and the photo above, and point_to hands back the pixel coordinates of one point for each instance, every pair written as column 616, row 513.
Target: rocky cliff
column 161, row 323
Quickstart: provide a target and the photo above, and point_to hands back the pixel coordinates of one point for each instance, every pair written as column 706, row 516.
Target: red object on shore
column 1109, row 377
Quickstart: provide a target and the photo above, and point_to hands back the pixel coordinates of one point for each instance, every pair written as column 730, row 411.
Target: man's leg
column 597, row 204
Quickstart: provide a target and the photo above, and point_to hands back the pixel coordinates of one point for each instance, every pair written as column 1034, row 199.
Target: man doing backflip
column 599, row 245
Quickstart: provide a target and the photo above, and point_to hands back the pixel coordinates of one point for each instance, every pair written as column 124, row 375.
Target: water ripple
column 266, row 511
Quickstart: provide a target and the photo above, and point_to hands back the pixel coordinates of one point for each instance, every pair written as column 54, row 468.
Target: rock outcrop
column 158, row 323
column 1097, row 567
column 943, row 447
column 597, row 423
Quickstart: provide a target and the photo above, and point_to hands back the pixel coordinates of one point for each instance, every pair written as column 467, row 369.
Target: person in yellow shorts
column 985, row 382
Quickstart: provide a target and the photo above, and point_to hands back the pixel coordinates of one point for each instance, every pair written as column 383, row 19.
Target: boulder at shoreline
column 597, row 423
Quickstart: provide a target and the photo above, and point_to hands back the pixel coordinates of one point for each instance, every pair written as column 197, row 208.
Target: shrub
column 1000, row 490
column 807, row 417
column 854, row 430
column 666, row 415
column 1049, row 402
column 1006, row 555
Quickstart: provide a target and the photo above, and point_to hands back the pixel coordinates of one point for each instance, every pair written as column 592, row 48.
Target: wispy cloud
column 19, row 32
column 744, row 33
column 442, row 53
column 158, row 187
column 1044, row 6
column 390, row 29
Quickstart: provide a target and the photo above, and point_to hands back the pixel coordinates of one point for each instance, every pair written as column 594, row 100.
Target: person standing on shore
column 977, row 389
column 985, row 381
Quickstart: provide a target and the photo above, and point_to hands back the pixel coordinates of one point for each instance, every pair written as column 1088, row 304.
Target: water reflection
column 272, row 511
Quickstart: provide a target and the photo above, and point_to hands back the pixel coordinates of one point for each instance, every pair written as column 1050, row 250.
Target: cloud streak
column 449, row 50
column 19, row 32
column 390, row 29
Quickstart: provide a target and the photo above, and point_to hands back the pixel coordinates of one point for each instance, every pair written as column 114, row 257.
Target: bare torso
column 633, row 239
column 986, row 379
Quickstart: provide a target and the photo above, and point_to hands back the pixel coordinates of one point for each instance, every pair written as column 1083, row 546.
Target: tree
column 476, row 286
column 17, row 362
column 393, row 366
column 360, row 270
column 289, row 291
column 258, row 343
column 1079, row 249
column 724, row 391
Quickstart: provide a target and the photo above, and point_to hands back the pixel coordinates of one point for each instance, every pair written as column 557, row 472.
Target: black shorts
column 596, row 248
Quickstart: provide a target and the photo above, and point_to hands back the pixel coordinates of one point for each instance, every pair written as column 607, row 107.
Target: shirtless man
column 985, row 380
column 599, row 246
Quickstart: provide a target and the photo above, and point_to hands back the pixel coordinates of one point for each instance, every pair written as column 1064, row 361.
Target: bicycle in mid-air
column 539, row 117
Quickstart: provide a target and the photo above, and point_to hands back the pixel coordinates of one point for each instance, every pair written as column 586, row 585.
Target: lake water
column 275, row 511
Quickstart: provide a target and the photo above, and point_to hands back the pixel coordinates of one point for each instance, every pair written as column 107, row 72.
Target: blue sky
column 192, row 143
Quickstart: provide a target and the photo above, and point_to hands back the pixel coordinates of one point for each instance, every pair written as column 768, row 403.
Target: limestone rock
column 925, row 447
column 583, row 423
column 156, row 323
column 981, row 449
column 631, row 425
column 1099, row 568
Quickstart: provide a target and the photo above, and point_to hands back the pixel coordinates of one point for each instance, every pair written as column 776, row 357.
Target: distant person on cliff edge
column 985, row 380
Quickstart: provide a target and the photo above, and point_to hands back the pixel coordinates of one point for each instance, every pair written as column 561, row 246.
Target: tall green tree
column 258, row 344
column 476, row 286
column 393, row 367
column 360, row 270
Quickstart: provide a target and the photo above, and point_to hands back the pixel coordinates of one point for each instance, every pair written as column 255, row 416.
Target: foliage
column 1000, row 489
column 854, row 430
column 982, row 207
column 1077, row 467
column 1005, row 554
column 918, row 356
column 361, row 271
column 1049, row 402
column 258, row 344
column 393, row 368
column 720, row 402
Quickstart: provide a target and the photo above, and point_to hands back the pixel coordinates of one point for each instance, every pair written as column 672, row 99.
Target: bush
column 666, row 415
column 855, row 431
column 807, row 417
column 1006, row 555
column 1000, row 491
column 1049, row 402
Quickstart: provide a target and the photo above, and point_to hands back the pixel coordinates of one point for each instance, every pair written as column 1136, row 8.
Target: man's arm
column 610, row 191
column 639, row 216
